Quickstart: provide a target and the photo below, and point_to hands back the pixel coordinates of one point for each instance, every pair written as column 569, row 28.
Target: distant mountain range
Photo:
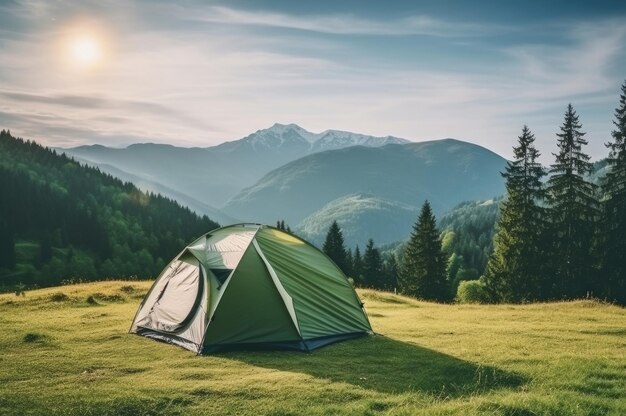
column 212, row 175
column 445, row 172
column 373, row 186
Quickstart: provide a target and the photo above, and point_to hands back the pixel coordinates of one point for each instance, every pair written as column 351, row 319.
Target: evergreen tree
column 280, row 224
column 373, row 267
column 613, row 242
column 357, row 267
column 514, row 272
column 390, row 271
column 423, row 270
column 573, row 212
column 349, row 264
column 334, row 246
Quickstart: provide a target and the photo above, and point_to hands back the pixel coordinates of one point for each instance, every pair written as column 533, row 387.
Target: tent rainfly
column 251, row 286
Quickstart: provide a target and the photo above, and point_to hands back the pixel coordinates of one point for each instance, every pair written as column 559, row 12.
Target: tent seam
column 226, row 283
column 272, row 273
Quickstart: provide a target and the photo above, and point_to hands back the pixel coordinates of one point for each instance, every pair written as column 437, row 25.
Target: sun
column 85, row 51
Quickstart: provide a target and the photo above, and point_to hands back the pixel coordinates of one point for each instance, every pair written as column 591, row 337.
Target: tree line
column 559, row 235
column 566, row 237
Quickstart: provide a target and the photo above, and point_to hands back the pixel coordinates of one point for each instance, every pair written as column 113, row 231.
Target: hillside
column 361, row 216
column 147, row 185
column 468, row 231
column 61, row 220
column 558, row 359
column 445, row 172
column 212, row 175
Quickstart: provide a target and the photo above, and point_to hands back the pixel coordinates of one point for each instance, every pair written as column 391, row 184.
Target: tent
column 251, row 286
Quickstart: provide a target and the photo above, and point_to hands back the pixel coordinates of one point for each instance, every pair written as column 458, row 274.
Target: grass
column 63, row 354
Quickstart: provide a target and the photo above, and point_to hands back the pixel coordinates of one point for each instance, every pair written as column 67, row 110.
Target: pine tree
column 515, row 269
column 573, row 211
column 349, row 264
column 613, row 242
column 334, row 246
column 280, row 224
column 373, row 267
column 390, row 268
column 423, row 270
column 357, row 267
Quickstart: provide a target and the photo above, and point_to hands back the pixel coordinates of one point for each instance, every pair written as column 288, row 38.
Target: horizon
column 125, row 146
column 197, row 75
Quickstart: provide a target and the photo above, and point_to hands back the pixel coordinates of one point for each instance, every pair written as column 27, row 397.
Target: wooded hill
column 63, row 220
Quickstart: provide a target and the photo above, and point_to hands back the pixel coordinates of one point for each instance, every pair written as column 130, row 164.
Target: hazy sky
column 199, row 73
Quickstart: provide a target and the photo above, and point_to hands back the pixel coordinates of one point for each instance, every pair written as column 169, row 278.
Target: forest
column 62, row 221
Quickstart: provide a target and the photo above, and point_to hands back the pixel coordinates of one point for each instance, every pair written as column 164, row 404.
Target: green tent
column 251, row 286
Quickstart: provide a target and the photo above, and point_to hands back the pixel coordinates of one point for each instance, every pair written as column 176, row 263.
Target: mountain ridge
column 445, row 172
column 212, row 175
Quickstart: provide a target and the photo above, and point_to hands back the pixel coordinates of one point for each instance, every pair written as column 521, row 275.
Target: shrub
column 33, row 337
column 115, row 297
column 59, row 297
column 127, row 289
column 20, row 289
column 472, row 291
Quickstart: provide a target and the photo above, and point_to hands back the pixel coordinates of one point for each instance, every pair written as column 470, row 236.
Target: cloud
column 57, row 131
column 346, row 24
column 95, row 102
column 580, row 66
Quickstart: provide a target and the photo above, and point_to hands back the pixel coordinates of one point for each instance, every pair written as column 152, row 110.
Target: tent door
column 178, row 302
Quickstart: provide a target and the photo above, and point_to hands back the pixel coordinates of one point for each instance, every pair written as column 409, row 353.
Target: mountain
column 212, row 175
column 63, row 220
column 360, row 216
column 445, row 172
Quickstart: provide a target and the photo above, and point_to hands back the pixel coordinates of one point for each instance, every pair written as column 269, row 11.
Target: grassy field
column 66, row 350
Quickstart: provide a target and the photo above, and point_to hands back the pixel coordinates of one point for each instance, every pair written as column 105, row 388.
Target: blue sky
column 197, row 73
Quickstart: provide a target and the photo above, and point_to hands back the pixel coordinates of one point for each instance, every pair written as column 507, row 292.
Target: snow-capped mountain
column 294, row 136
column 337, row 139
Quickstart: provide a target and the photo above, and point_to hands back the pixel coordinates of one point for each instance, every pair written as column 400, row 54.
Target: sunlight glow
column 85, row 51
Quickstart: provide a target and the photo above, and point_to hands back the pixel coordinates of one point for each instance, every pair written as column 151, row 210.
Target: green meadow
column 66, row 351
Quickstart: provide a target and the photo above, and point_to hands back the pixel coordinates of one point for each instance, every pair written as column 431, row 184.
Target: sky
column 198, row 73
